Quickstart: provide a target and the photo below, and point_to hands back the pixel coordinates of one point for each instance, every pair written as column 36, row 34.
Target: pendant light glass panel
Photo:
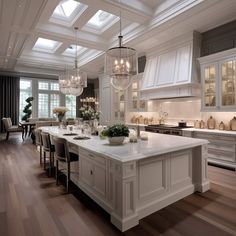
column 73, row 81
column 121, row 65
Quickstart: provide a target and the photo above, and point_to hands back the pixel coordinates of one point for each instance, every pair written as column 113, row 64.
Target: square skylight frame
column 41, row 48
column 109, row 22
column 70, row 20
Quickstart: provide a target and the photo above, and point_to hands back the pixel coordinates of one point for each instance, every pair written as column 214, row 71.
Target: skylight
column 67, row 12
column 100, row 22
column 46, row 45
column 66, row 8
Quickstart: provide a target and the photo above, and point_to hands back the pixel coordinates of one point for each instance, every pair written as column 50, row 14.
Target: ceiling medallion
column 73, row 81
column 121, row 64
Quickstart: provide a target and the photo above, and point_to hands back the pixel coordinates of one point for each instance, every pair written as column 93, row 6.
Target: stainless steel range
column 166, row 129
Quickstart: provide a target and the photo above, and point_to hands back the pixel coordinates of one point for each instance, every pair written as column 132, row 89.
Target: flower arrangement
column 60, row 112
column 89, row 113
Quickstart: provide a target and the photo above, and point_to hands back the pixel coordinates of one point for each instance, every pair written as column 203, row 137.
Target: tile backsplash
column 186, row 109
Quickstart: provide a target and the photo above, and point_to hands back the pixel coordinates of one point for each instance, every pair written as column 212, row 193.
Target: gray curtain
column 9, row 99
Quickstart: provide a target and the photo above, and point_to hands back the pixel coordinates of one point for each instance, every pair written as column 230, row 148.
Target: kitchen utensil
column 211, row 123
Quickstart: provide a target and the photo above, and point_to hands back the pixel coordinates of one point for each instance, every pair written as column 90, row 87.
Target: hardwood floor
column 32, row 204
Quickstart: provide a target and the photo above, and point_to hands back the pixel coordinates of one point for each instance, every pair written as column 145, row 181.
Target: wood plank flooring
column 32, row 204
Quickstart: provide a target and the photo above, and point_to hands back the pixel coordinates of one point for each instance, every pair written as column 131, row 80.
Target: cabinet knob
column 91, row 172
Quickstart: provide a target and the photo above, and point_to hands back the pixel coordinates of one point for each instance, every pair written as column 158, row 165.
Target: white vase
column 116, row 140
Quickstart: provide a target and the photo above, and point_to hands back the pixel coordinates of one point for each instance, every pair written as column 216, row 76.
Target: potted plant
column 27, row 109
column 116, row 133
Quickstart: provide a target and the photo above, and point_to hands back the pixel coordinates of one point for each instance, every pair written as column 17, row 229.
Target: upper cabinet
column 173, row 68
column 218, row 73
column 136, row 104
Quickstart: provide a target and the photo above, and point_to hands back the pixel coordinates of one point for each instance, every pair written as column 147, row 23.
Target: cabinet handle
column 91, row 155
column 91, row 172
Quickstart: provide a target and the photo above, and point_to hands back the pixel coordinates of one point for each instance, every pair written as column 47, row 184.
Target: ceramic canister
column 233, row 124
column 211, row 123
column 221, row 125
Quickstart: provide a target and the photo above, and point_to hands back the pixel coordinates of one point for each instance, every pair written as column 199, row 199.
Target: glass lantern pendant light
column 121, row 64
column 72, row 82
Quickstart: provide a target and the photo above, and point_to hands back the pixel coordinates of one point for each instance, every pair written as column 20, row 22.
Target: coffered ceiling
column 38, row 35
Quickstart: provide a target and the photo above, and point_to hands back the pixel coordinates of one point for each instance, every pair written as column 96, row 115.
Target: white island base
column 135, row 180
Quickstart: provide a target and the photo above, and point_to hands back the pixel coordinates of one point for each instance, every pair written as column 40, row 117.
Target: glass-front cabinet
column 135, row 103
column 119, row 106
column 228, row 79
column 218, row 75
column 210, row 87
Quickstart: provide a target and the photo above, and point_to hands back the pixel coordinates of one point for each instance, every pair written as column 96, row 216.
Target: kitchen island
column 134, row 180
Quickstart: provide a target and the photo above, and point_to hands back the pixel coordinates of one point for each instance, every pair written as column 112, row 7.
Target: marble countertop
column 156, row 144
column 213, row 131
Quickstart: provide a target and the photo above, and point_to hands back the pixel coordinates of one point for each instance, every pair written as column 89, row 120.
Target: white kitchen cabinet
column 93, row 172
column 221, row 147
column 150, row 70
column 218, row 74
column 105, row 102
column 172, row 69
column 119, row 106
column 112, row 102
column 136, row 104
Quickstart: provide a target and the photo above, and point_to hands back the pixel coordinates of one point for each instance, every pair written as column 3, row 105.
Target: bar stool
column 63, row 155
column 38, row 143
column 47, row 148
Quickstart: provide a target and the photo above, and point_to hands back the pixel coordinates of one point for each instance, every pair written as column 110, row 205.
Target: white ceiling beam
column 113, row 8
column 85, row 17
column 85, row 39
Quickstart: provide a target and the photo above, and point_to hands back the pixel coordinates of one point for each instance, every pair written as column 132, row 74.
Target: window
column 25, row 92
column 48, row 98
column 71, row 105
column 43, row 105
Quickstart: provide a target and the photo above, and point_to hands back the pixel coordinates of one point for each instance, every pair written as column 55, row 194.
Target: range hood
column 172, row 69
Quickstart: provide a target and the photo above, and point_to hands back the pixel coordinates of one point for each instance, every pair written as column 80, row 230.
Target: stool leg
column 57, row 172
column 50, row 163
column 68, row 177
column 40, row 155
column 7, row 136
column 44, row 160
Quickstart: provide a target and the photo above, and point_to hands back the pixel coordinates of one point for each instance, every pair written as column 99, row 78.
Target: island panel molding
column 134, row 180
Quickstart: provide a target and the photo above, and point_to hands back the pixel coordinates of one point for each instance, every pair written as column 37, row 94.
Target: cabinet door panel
column 228, row 83
column 100, row 180
column 183, row 64
column 210, row 86
column 150, row 71
column 166, row 69
column 86, row 171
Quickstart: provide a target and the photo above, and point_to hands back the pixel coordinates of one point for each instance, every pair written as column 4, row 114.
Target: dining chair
column 11, row 128
column 63, row 155
column 47, row 148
